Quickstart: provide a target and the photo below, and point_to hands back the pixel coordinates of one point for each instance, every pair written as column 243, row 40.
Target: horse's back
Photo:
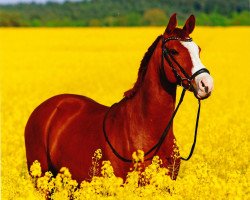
column 59, row 129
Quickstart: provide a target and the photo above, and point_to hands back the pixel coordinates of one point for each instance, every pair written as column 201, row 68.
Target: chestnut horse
column 65, row 130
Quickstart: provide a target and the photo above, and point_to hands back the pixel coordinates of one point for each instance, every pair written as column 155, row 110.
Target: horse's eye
column 173, row 52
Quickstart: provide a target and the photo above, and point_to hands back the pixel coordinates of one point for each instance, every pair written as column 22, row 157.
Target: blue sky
column 26, row 1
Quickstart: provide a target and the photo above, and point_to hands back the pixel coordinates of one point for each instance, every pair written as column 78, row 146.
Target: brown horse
column 65, row 130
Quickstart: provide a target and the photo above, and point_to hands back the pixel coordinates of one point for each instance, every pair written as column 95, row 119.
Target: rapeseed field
column 102, row 63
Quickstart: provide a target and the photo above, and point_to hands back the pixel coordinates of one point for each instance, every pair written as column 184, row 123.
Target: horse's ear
column 171, row 24
column 189, row 25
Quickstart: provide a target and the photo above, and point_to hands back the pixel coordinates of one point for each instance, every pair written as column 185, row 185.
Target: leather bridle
column 185, row 82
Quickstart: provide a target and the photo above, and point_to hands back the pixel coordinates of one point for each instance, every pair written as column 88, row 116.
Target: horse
column 65, row 130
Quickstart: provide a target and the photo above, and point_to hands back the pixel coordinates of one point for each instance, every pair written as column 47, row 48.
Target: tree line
column 125, row 13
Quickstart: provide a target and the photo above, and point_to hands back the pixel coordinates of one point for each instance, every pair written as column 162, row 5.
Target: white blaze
column 194, row 54
column 203, row 79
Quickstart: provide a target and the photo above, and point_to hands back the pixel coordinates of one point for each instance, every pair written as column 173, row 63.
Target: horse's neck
column 154, row 104
column 144, row 116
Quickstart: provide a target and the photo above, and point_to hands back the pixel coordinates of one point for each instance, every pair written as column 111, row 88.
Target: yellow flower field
column 102, row 63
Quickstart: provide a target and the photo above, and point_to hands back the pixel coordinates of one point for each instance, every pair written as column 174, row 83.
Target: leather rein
column 185, row 83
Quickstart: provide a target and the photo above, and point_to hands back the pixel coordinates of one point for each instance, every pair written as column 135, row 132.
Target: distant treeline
column 125, row 13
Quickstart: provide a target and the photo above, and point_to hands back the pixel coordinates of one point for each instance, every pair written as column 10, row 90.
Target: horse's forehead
column 178, row 32
column 192, row 48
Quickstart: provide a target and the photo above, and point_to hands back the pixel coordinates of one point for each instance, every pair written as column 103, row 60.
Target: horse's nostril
column 204, row 86
column 206, row 89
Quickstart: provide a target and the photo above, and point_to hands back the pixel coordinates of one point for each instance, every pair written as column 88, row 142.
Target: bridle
column 166, row 53
column 185, row 83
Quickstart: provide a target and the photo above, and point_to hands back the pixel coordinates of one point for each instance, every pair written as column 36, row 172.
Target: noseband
column 166, row 53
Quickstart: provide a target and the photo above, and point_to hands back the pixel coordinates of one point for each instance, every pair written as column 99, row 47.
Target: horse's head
column 182, row 64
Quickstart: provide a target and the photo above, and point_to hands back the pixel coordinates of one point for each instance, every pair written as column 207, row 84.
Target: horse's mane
column 143, row 69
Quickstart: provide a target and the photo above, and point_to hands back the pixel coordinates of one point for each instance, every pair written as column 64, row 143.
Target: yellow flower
column 107, row 170
column 98, row 154
column 138, row 156
column 35, row 169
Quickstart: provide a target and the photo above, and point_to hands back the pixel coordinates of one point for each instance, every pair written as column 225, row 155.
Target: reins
column 165, row 54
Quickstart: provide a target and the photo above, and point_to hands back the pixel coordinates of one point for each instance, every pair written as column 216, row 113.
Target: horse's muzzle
column 203, row 86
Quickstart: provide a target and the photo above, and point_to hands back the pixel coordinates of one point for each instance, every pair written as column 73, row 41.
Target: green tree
column 155, row 17
column 110, row 21
column 242, row 18
column 94, row 22
column 10, row 19
column 124, row 13
column 134, row 19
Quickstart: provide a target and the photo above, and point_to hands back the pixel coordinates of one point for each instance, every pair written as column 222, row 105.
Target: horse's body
column 65, row 130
